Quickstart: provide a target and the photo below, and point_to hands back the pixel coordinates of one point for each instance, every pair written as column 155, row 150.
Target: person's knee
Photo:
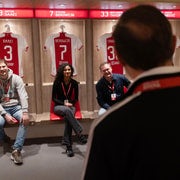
column 101, row 111
column 62, row 110
column 2, row 121
column 68, row 110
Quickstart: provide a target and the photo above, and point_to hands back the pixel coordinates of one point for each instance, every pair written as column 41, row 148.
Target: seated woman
column 65, row 94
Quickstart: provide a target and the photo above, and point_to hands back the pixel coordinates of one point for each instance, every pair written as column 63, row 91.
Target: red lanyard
column 158, row 84
column 64, row 91
column 111, row 87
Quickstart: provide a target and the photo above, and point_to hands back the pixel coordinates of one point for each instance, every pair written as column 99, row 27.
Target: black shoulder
column 74, row 81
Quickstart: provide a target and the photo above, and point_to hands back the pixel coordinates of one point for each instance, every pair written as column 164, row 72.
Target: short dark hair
column 3, row 60
column 143, row 37
column 103, row 63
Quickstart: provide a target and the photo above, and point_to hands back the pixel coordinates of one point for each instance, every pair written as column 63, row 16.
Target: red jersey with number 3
column 11, row 47
column 106, row 43
column 62, row 47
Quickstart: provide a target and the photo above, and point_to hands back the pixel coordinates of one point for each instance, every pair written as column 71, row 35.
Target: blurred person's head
column 143, row 39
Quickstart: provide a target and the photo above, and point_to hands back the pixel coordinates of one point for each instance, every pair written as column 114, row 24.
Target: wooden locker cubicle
column 23, row 28
column 47, row 27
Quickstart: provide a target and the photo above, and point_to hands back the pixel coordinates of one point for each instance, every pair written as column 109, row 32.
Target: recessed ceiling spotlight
column 120, row 6
column 61, row 5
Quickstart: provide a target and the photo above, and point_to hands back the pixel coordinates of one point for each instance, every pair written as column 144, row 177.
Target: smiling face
column 106, row 71
column 67, row 72
column 3, row 70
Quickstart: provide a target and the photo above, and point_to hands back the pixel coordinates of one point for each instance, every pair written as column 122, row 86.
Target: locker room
column 36, row 59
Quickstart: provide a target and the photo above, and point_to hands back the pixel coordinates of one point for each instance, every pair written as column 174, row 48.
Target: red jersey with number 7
column 62, row 48
column 11, row 49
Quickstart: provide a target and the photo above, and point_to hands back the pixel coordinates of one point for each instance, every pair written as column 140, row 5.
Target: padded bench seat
column 54, row 117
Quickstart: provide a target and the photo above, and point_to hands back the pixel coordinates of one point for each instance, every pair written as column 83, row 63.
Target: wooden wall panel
column 46, row 94
column 83, row 94
column 32, row 98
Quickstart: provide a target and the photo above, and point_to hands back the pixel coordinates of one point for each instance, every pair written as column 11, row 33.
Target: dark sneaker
column 69, row 151
column 82, row 139
column 16, row 157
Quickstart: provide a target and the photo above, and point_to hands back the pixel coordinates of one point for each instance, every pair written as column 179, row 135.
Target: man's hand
column 10, row 119
column 25, row 119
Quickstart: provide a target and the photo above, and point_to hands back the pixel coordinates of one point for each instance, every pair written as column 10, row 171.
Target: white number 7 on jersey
column 64, row 50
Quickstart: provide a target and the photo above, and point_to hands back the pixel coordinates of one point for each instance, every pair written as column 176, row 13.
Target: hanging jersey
column 62, row 48
column 106, row 43
column 11, row 49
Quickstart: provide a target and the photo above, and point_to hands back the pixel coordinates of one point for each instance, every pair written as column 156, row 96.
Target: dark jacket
column 104, row 90
column 139, row 138
column 58, row 94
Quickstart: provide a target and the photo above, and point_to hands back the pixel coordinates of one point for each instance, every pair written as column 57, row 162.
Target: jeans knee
column 2, row 122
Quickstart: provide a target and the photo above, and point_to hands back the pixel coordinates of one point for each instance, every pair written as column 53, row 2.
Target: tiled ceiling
column 86, row 4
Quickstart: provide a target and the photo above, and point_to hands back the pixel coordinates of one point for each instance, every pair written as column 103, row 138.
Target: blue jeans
column 16, row 112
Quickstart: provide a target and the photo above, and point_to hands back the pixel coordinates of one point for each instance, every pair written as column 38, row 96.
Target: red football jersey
column 11, row 48
column 62, row 47
column 106, row 43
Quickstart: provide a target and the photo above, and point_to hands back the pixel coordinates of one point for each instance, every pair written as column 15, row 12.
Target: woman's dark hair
column 60, row 71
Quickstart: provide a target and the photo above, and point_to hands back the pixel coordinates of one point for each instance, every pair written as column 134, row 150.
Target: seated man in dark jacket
column 110, row 88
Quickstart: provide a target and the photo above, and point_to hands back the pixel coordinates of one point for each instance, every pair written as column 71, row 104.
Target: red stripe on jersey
column 63, row 53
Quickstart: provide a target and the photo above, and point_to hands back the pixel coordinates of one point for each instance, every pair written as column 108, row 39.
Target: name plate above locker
column 113, row 14
column 171, row 14
column 103, row 14
column 51, row 13
column 16, row 13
